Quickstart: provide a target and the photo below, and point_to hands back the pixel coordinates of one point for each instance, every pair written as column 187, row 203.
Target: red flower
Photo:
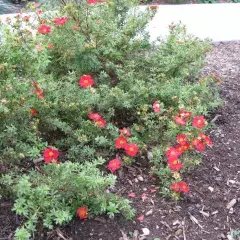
column 198, row 122
column 125, row 131
column 156, row 107
column 173, row 162
column 180, row 120
column 183, row 187
column 60, row 21
column 208, row 141
column 175, row 187
column 176, row 166
column 44, row 29
column 86, row 81
column 101, row 123
column 50, row 154
column 181, row 139
column 82, row 212
column 38, row 91
column 39, row 11
column 40, row 94
column 120, row 142
column 35, row 85
column 94, row 1
column 185, row 114
column 94, row 116
column 114, row 165
column 180, row 186
column 26, row 18
column 131, row 149
column 185, row 146
column 98, row 119
column 198, row 144
column 180, row 148
column 34, row 111
column 202, row 135
column 172, row 153
column 50, row 46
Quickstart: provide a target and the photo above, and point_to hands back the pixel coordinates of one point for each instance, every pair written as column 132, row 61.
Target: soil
column 203, row 214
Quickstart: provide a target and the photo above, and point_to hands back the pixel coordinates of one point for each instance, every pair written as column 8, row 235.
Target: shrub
column 45, row 101
column 87, row 80
column 43, row 104
column 54, row 194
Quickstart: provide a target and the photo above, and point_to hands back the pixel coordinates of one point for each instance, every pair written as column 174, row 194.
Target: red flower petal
column 144, row 196
column 132, row 195
column 152, row 190
column 141, row 218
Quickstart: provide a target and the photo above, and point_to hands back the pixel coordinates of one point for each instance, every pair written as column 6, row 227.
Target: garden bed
column 203, row 213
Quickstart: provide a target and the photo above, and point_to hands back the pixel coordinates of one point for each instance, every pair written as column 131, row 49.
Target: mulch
column 203, row 214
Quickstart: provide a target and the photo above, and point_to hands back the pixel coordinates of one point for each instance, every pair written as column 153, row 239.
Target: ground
column 6, row 6
column 203, row 214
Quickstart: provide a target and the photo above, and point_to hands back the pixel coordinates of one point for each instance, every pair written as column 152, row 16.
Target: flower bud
column 4, row 101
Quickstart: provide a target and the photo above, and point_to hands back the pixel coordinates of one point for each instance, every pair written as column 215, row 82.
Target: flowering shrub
column 85, row 81
column 60, row 191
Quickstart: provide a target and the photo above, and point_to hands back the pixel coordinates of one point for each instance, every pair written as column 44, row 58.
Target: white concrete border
column 219, row 22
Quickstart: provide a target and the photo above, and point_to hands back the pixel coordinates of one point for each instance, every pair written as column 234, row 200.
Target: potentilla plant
column 86, row 80
column 59, row 192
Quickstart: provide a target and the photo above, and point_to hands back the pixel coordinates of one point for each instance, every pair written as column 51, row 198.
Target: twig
column 60, row 234
column 195, row 220
column 183, row 228
column 38, row 160
column 124, row 235
column 215, row 118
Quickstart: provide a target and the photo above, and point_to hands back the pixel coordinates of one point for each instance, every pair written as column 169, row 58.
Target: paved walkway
column 6, row 6
column 219, row 22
